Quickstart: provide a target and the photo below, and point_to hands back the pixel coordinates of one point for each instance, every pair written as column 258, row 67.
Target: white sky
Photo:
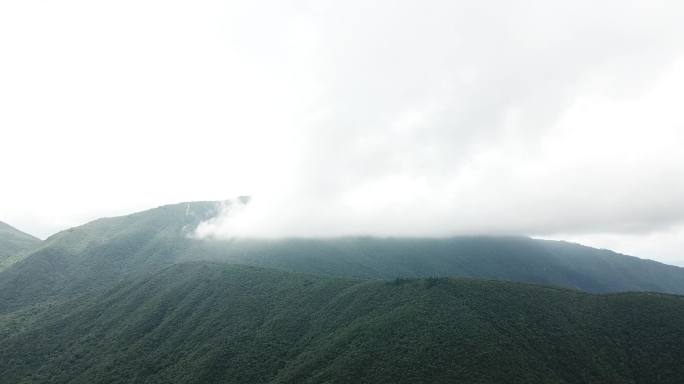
column 555, row 119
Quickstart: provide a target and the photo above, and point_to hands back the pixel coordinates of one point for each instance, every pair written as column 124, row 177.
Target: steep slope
column 102, row 253
column 14, row 244
column 211, row 323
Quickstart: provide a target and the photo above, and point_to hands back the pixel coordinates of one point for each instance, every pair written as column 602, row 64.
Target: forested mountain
column 106, row 251
column 14, row 244
column 140, row 299
column 213, row 323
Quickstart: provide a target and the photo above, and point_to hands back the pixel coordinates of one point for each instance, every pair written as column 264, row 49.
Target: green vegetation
column 138, row 299
column 215, row 323
column 102, row 253
column 14, row 245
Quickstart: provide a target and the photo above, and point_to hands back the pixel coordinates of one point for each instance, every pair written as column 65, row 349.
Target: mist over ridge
column 341, row 192
column 552, row 119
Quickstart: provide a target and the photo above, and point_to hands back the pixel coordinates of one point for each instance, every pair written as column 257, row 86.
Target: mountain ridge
column 212, row 322
column 103, row 252
column 13, row 244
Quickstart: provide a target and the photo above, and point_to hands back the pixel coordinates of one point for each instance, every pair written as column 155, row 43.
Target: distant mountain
column 139, row 298
column 14, row 244
column 213, row 323
column 104, row 252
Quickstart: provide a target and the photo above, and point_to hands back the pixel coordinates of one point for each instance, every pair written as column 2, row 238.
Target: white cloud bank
column 548, row 118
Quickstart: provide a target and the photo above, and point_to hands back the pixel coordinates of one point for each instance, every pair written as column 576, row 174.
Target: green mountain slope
column 213, row 323
column 101, row 253
column 106, row 251
column 14, row 244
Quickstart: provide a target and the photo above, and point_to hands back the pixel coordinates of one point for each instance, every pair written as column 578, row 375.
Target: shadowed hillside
column 212, row 323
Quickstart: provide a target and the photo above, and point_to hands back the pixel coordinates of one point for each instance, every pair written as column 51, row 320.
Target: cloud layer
column 546, row 118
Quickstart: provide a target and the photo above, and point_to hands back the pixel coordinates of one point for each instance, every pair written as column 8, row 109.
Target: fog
column 393, row 118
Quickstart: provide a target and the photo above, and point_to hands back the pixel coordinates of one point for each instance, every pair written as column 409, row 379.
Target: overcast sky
column 557, row 119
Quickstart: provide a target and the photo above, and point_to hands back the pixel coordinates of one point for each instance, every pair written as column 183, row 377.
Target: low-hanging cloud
column 483, row 117
column 349, row 118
